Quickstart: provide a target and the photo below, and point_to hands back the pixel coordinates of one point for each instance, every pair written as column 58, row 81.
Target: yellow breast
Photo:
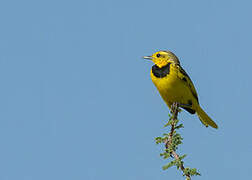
column 172, row 88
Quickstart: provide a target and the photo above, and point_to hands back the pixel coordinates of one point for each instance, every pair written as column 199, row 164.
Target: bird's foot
column 174, row 106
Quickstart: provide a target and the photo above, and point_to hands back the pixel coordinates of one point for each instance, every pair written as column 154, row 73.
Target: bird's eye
column 158, row 55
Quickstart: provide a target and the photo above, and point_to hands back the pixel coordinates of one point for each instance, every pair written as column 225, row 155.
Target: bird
column 175, row 85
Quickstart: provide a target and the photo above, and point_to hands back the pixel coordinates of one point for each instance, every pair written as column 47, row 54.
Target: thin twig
column 168, row 142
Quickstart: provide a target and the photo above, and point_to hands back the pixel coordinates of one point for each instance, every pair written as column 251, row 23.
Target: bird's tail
column 205, row 119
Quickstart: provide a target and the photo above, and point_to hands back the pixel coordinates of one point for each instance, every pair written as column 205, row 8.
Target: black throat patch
column 161, row 72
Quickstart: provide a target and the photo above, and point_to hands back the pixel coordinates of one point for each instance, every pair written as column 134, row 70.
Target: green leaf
column 168, row 123
column 165, row 135
column 193, row 172
column 167, row 155
column 179, row 126
column 182, row 157
column 164, row 138
column 158, row 140
column 172, row 163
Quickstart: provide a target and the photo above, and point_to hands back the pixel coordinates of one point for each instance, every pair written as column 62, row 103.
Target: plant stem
column 168, row 142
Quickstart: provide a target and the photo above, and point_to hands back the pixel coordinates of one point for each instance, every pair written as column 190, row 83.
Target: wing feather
column 185, row 77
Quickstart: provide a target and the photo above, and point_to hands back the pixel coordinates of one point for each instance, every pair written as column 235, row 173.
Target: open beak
column 147, row 57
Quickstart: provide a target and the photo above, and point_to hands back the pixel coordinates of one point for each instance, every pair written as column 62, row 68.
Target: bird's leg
column 174, row 106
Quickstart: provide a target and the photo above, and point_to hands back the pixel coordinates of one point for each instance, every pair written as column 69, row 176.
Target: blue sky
column 77, row 102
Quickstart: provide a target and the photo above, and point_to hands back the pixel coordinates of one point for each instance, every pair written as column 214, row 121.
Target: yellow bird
column 174, row 85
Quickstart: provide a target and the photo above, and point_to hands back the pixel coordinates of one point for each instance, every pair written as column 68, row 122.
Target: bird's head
column 162, row 58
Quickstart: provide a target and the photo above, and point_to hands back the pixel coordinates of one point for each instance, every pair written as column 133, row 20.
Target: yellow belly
column 173, row 89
